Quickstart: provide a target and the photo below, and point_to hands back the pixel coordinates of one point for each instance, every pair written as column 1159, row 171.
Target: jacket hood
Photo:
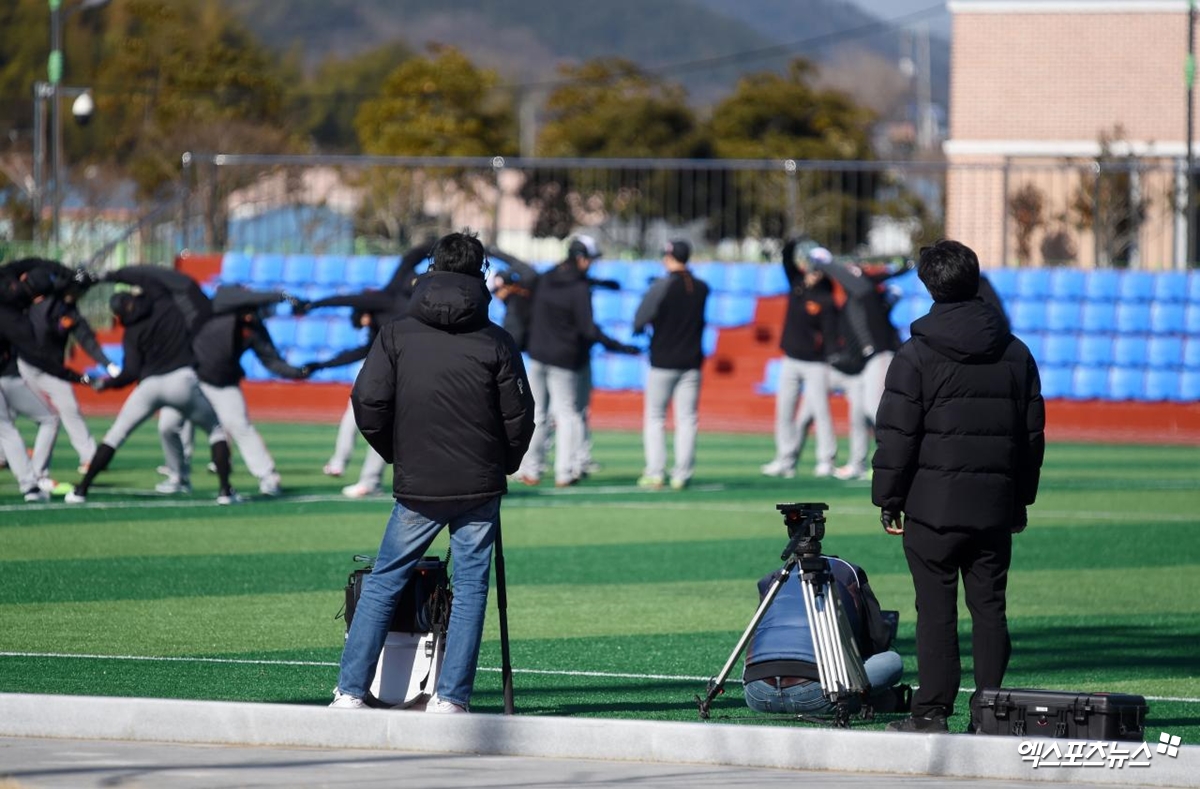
column 450, row 301
column 964, row 331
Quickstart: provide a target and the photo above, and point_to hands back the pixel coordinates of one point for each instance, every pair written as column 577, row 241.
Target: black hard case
column 1056, row 713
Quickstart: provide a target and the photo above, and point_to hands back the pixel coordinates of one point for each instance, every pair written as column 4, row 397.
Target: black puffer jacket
column 960, row 426
column 443, row 395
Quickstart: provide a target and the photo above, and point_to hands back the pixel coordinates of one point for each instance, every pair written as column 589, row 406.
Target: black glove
column 99, row 384
column 629, row 350
column 605, row 284
column 1020, row 519
column 892, row 520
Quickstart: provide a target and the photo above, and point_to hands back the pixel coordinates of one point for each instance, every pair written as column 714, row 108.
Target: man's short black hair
column 461, row 253
column 950, row 271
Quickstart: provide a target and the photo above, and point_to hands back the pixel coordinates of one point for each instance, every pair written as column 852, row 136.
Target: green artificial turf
column 621, row 602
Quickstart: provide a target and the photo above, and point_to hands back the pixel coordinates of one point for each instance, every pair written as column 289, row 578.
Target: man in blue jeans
column 443, row 396
column 781, row 667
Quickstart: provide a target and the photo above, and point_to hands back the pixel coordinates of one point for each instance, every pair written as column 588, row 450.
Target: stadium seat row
column 1124, row 350
column 1084, row 382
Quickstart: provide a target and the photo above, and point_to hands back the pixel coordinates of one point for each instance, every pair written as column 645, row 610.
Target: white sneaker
column 174, row 485
column 46, row 484
column 36, row 495
column 777, row 468
column 443, row 707
column 269, row 485
column 75, row 498
column 164, row 471
column 679, row 483
column 332, row 470
column 226, row 499
column 347, row 702
column 851, row 473
column 823, row 470
column 357, row 491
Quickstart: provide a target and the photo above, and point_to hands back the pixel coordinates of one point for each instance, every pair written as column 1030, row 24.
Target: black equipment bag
column 1057, row 713
column 424, row 605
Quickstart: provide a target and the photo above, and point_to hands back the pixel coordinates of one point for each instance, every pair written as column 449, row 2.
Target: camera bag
column 1056, row 713
column 412, row 655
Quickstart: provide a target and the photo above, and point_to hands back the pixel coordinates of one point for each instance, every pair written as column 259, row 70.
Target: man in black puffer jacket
column 960, row 445
column 443, row 396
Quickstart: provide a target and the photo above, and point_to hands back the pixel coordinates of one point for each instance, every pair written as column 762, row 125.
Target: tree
column 1109, row 201
column 441, row 105
column 611, row 108
column 1027, row 206
column 773, row 116
column 327, row 103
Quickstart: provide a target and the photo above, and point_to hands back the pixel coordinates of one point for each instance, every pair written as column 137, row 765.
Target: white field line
column 327, row 664
column 547, row 499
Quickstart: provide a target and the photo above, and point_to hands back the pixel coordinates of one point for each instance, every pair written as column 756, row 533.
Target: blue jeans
column 883, row 671
column 409, row 533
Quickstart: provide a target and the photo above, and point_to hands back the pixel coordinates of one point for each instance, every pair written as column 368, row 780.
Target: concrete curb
column 237, row 723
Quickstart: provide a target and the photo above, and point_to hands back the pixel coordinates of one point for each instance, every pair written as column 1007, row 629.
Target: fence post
column 1005, row 173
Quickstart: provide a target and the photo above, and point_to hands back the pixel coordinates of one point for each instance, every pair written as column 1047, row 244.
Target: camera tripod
column 839, row 664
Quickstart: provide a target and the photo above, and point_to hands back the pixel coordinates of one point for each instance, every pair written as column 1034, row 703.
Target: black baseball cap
column 678, row 249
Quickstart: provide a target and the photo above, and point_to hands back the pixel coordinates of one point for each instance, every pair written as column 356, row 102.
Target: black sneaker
column 923, row 725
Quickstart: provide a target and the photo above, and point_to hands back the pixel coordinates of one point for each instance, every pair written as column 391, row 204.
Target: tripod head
column 805, row 527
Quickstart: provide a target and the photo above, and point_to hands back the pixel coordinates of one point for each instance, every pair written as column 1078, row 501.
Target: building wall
column 1043, row 81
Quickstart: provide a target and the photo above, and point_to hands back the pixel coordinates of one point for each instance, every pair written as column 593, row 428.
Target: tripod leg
column 716, row 686
column 502, row 605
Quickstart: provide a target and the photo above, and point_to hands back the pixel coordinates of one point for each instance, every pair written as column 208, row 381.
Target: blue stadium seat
column 1028, row 315
column 385, row 267
column 1063, row 315
column 1136, row 286
column 603, row 269
column 282, row 331
column 1056, row 382
column 742, row 278
column 496, row 311
column 773, row 282
column 1036, row 343
column 1127, row 383
column 1060, row 349
column 708, row 340
column 1089, row 383
column 1130, row 350
column 1171, row 286
column 730, row 309
column 1098, row 316
column 1165, row 352
column 769, row 384
column 1193, row 287
column 638, row 274
column 1163, row 385
column 361, row 272
column 1133, row 317
column 254, row 368
column 1067, row 284
column 1191, row 318
column 1095, row 349
column 1189, row 386
column 1166, row 317
column 342, row 335
column 711, row 272
column 1033, row 283
column 311, row 333
column 266, row 271
column 1004, row 281
column 329, row 270
column 1102, row 285
column 235, row 268
column 624, row 372
column 606, row 307
column 1191, row 352
column 297, row 270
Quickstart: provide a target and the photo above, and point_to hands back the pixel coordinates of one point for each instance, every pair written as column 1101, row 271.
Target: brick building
column 1036, row 85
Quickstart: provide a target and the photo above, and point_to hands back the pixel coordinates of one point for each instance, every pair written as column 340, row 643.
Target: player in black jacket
column 159, row 359
column 236, row 325
column 960, row 435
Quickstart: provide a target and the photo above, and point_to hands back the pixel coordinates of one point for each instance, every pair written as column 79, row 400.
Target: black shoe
column 924, row 725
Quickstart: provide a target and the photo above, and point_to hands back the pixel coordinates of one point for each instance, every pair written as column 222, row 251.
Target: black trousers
column 935, row 561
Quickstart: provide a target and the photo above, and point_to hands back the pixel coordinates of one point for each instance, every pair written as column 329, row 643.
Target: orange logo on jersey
column 813, row 307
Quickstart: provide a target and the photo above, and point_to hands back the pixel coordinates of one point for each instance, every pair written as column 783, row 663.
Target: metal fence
column 1082, row 212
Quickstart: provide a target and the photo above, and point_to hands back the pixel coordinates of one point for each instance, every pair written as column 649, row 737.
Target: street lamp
column 51, row 91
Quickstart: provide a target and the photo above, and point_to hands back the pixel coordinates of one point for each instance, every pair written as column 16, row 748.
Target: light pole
column 53, row 90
